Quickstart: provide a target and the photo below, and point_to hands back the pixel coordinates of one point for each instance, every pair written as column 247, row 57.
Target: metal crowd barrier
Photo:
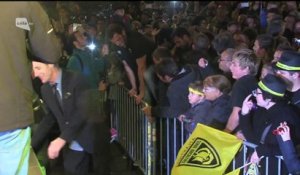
column 135, row 134
column 153, row 149
column 168, row 156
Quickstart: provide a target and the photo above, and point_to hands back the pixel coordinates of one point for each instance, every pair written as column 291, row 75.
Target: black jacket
column 72, row 118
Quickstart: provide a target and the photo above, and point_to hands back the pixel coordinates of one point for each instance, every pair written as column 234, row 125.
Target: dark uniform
column 240, row 90
column 73, row 121
column 257, row 125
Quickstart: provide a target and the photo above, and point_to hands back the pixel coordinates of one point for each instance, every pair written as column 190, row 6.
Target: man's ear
column 246, row 69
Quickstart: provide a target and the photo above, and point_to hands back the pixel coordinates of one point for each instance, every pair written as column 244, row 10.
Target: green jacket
column 15, row 67
column 91, row 66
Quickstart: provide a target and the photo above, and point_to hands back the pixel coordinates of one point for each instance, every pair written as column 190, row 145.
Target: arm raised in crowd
column 287, row 148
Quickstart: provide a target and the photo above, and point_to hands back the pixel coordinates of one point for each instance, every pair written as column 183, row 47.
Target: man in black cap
column 288, row 68
column 259, row 117
column 65, row 94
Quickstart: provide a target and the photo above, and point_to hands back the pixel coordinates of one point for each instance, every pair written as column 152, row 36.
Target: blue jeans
column 14, row 151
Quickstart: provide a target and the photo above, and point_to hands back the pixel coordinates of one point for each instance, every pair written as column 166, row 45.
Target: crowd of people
column 229, row 65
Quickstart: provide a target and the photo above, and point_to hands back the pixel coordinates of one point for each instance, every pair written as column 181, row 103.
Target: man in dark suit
column 65, row 95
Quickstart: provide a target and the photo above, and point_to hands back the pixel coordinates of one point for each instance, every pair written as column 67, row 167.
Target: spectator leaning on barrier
column 21, row 22
column 178, row 79
column 119, row 50
column 151, row 79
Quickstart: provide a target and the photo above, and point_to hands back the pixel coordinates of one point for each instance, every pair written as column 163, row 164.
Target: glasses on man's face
column 255, row 93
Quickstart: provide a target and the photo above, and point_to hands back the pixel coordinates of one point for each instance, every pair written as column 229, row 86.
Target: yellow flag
column 252, row 169
column 207, row 151
column 234, row 172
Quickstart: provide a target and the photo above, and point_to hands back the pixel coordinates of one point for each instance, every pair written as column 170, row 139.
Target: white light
column 49, row 31
column 91, row 46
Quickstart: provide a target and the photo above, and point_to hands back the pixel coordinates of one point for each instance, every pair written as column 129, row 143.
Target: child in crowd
column 216, row 89
column 199, row 107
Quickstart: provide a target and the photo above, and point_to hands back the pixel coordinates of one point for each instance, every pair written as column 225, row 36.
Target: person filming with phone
column 261, row 113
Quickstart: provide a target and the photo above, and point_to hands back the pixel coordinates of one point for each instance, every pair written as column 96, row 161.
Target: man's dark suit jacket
column 72, row 117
